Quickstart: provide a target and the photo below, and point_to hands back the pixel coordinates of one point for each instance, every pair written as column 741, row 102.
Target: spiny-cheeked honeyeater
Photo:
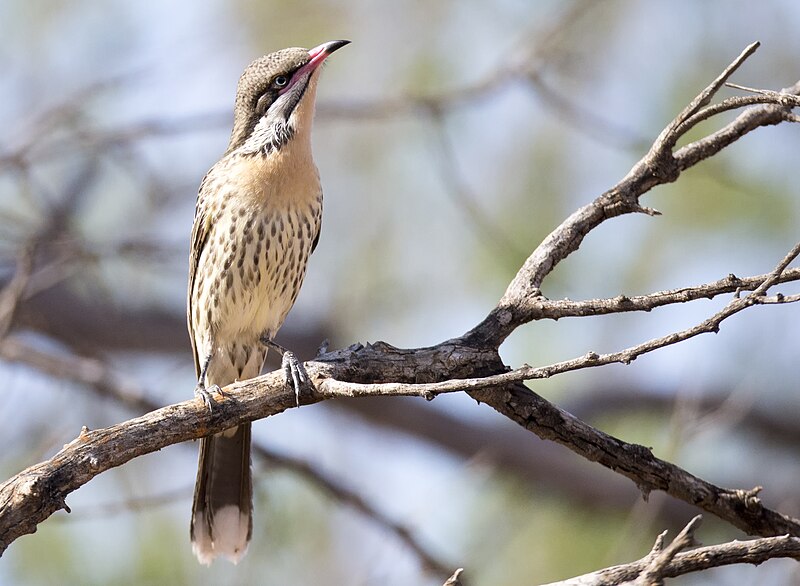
column 257, row 220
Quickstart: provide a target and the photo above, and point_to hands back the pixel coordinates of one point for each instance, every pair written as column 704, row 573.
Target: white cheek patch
column 271, row 133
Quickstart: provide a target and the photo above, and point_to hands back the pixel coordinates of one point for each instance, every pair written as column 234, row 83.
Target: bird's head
column 275, row 98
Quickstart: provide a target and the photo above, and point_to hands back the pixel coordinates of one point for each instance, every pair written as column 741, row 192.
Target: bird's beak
column 320, row 53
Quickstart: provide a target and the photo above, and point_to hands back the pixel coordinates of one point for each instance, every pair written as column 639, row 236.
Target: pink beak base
column 318, row 54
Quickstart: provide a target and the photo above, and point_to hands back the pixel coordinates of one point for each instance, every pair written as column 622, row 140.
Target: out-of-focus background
column 451, row 137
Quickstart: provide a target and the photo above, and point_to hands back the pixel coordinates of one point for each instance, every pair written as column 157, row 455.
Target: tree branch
column 542, row 308
column 659, row 166
column 672, row 561
column 39, row 491
column 96, row 375
column 660, row 556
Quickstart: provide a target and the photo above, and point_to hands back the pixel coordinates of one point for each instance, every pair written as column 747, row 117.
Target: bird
column 257, row 220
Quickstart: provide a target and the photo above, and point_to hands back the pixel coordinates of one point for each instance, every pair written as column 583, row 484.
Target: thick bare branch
column 96, row 375
column 37, row 492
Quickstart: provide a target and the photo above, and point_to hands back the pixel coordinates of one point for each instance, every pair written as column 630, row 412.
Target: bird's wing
column 200, row 232
column 319, row 231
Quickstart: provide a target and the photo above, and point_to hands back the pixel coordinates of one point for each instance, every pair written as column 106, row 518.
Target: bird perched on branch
column 257, row 221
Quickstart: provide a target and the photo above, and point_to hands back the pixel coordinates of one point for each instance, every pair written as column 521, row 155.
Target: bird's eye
column 281, row 81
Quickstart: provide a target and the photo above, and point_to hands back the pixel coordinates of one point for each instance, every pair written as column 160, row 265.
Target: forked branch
column 674, row 560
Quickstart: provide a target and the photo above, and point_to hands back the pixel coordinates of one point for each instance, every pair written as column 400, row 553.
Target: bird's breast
column 263, row 230
column 281, row 178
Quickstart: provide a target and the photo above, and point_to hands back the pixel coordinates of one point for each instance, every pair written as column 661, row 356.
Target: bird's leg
column 200, row 390
column 296, row 375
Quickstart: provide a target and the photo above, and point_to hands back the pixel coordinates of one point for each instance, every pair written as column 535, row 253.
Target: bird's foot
column 206, row 393
column 296, row 375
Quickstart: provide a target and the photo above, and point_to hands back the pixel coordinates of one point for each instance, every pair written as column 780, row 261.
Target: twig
column 653, row 574
column 737, row 103
column 677, row 128
column 455, row 579
column 644, row 571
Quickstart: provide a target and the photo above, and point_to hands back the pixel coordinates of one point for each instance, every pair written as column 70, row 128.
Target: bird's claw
column 296, row 375
column 206, row 394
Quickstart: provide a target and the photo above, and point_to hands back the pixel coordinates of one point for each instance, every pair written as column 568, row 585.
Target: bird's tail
column 222, row 513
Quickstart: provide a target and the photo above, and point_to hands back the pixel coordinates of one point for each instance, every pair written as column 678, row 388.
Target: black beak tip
column 332, row 46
